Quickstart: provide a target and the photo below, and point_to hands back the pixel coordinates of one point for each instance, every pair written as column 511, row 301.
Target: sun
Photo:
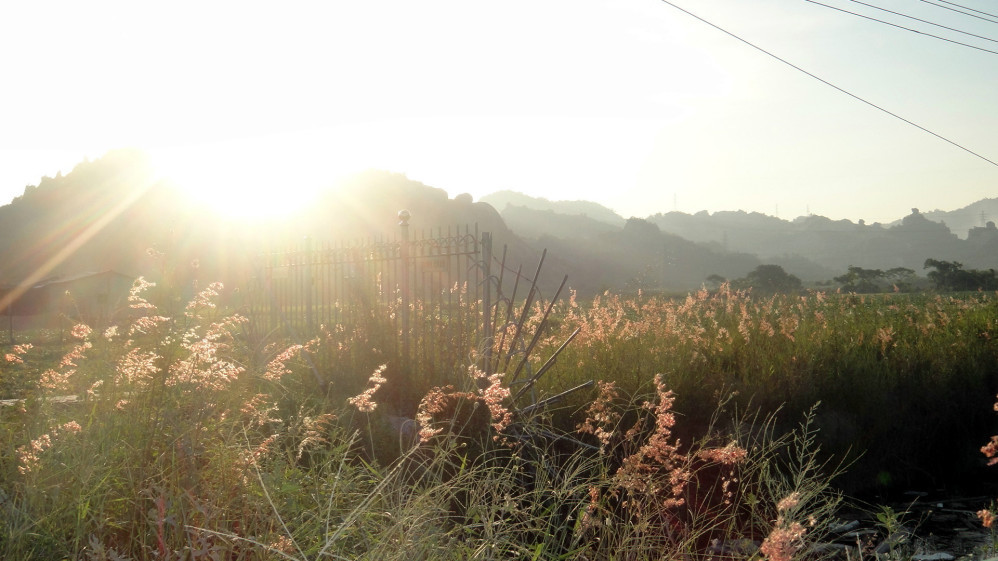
column 247, row 178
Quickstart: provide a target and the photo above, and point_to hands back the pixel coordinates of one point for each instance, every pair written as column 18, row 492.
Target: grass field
column 718, row 418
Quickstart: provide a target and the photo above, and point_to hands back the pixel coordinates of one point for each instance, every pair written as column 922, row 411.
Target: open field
column 194, row 437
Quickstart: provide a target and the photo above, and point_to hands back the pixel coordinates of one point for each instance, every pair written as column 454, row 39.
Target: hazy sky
column 630, row 103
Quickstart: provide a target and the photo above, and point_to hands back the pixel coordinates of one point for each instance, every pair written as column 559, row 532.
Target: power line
column 923, row 21
column 959, row 12
column 827, row 83
column 906, row 28
column 966, row 8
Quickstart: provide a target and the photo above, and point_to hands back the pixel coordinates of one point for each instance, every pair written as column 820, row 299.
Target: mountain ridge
column 959, row 220
column 595, row 247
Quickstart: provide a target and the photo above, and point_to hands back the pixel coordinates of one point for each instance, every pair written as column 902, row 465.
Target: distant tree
column 944, row 276
column 770, row 279
column 951, row 276
column 901, row 278
column 715, row 281
column 860, row 280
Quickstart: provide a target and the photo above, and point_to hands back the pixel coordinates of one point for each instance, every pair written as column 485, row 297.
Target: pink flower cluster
column 19, row 351
column 657, row 467
column 28, row 456
column 494, row 394
column 433, row 403
column 786, row 538
column 990, row 451
column 784, row 541
column 601, row 417
column 364, row 402
column 730, row 455
column 443, row 403
column 277, row 367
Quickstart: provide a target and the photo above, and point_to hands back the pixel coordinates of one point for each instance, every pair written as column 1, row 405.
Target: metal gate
column 428, row 286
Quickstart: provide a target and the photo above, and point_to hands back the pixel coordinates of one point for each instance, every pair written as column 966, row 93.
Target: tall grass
column 907, row 376
column 196, row 438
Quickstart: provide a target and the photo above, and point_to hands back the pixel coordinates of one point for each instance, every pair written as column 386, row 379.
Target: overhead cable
column 923, row 21
column 827, row 83
column 906, row 28
column 964, row 13
column 967, row 8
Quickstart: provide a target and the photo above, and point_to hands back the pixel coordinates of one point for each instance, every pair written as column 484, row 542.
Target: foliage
column 196, row 438
column 929, row 360
column 868, row 281
column 769, row 279
column 951, row 276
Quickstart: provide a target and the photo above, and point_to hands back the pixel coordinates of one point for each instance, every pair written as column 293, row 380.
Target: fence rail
column 427, row 286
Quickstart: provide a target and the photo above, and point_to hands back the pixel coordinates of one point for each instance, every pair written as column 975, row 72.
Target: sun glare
column 245, row 179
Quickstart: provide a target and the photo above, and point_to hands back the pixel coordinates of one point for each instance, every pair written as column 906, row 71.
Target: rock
column 860, row 533
column 831, row 549
column 842, row 527
column 737, row 548
column 938, row 556
column 893, row 541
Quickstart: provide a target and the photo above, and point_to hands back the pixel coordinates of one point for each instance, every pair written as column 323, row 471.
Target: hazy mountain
column 502, row 199
column 107, row 213
column 832, row 244
column 532, row 223
column 961, row 220
column 635, row 255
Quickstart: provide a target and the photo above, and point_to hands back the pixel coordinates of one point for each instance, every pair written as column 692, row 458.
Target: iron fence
column 426, row 288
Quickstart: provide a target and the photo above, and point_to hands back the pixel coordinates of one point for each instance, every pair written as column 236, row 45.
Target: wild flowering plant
column 787, row 536
column 659, row 497
column 990, row 451
column 669, row 496
column 177, row 423
column 657, row 469
column 601, row 415
column 444, row 407
column 364, row 402
column 17, row 352
column 27, row 456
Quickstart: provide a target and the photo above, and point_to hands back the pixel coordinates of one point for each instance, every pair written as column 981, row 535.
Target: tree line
column 945, row 276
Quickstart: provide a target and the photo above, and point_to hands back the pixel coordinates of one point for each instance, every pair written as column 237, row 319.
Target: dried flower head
column 601, row 417
column 784, row 541
column 788, row 502
column 657, row 469
column 364, row 402
column 987, row 517
column 729, row 455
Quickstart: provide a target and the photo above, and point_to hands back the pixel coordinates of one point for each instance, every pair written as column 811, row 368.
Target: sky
column 634, row 104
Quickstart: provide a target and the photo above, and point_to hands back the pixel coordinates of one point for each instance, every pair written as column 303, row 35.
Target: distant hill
column 108, row 213
column 502, row 199
column 961, row 220
column 532, row 223
column 105, row 214
column 814, row 248
column 833, row 244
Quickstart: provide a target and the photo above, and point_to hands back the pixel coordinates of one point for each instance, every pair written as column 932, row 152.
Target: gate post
column 404, row 216
column 307, row 281
column 487, row 300
column 270, row 294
